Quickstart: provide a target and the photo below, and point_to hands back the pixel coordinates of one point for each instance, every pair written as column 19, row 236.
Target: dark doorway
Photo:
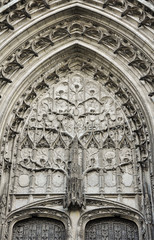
column 111, row 229
column 39, row 229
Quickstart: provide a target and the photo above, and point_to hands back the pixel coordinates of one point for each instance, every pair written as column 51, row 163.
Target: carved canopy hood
column 76, row 114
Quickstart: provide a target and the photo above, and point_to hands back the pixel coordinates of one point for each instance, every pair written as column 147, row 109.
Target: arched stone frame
column 85, row 45
column 120, row 70
column 39, row 212
column 108, row 6
column 109, row 210
column 111, row 227
column 139, row 40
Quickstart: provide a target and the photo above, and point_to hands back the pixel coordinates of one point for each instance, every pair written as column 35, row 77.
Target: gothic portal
column 76, row 112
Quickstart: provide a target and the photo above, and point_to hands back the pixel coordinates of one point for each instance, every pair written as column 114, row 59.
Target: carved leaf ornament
column 76, row 131
column 122, row 46
column 21, row 10
column 73, row 137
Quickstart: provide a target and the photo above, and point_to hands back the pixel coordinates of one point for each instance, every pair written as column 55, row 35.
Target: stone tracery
column 109, row 128
column 75, row 109
column 54, row 120
column 77, row 130
column 19, row 11
column 100, row 34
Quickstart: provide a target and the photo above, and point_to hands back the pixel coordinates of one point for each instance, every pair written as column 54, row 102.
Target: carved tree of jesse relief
column 75, row 140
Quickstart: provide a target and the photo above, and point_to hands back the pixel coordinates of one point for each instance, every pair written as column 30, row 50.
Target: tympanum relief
column 75, row 140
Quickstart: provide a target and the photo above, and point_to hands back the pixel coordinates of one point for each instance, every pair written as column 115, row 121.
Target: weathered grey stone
column 77, row 127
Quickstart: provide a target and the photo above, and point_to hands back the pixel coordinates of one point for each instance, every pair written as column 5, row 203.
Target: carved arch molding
column 77, row 135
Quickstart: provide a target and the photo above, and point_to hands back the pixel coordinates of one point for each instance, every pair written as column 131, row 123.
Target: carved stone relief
column 21, row 10
column 76, row 134
column 85, row 109
column 100, row 33
column 39, row 229
column 74, row 140
column 111, row 229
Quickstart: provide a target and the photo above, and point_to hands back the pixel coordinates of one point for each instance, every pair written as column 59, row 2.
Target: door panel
column 39, row 229
column 111, row 229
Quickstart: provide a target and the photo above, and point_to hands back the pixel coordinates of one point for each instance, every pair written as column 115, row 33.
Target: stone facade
column 77, row 129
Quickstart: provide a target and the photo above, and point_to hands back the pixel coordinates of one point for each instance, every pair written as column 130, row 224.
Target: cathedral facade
column 77, row 120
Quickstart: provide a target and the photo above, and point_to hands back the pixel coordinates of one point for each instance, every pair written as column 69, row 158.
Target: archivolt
column 52, row 66
column 61, row 65
column 72, row 50
column 108, row 210
column 79, row 26
column 18, row 11
column 38, row 212
column 78, row 42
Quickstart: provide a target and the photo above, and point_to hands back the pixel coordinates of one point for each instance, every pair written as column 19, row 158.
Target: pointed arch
column 77, row 41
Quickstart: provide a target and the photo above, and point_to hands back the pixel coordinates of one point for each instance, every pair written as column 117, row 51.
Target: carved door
column 39, row 229
column 111, row 229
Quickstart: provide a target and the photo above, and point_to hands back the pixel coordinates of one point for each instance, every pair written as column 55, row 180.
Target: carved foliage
column 54, row 114
column 66, row 131
column 133, row 9
column 101, row 34
column 23, row 10
column 20, row 11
